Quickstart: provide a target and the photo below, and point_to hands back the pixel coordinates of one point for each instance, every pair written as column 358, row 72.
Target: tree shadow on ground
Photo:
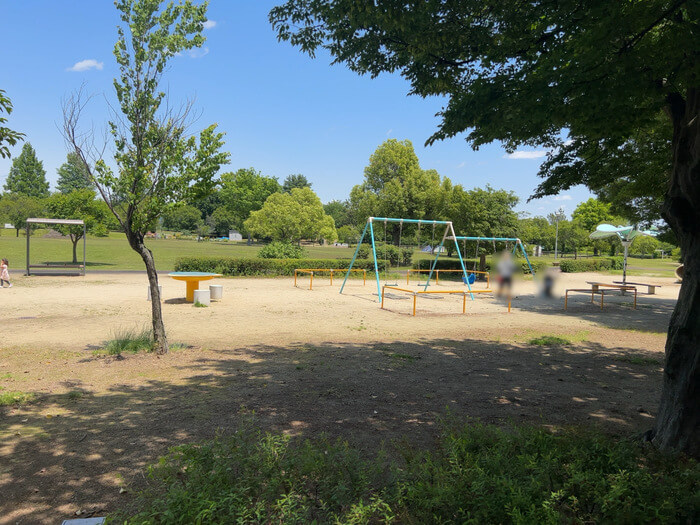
column 94, row 443
column 653, row 313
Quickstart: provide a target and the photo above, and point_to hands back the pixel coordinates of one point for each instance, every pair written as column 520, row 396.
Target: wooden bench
column 651, row 288
column 600, row 289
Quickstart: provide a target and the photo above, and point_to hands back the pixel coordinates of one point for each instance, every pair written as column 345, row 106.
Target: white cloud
column 520, row 154
column 565, row 197
column 209, row 24
column 388, row 133
column 198, row 52
column 85, row 65
column 461, row 164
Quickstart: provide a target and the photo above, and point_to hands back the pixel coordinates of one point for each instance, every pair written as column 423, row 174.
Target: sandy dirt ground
column 305, row 362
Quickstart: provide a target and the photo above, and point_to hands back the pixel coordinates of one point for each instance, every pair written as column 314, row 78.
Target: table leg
column 191, row 287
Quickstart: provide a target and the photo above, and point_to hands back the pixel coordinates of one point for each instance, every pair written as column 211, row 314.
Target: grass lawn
column 114, row 253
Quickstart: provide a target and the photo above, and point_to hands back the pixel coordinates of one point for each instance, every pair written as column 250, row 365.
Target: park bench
column 651, row 288
column 601, row 289
column 79, row 268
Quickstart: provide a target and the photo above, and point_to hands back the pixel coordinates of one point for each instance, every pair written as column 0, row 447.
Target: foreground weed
column 549, row 340
column 477, row 474
column 197, row 304
column 130, row 341
column 15, row 398
column 75, row 395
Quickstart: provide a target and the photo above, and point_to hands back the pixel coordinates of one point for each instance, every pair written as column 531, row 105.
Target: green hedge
column 591, row 265
column 241, row 266
column 470, row 264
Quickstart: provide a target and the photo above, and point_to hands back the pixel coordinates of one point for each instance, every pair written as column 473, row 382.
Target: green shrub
column 477, row 474
column 235, row 266
column 591, row 265
column 281, row 250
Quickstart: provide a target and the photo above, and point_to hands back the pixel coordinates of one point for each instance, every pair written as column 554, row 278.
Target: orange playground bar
column 416, row 293
column 331, row 270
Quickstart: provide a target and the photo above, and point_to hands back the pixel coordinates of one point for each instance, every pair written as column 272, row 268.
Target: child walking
column 4, row 274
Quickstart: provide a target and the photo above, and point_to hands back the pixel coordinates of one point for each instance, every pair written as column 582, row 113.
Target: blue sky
column 282, row 111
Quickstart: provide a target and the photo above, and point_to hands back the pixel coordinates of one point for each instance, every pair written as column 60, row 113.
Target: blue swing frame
column 369, row 227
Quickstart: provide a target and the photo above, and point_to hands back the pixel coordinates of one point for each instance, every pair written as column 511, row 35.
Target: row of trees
column 394, row 185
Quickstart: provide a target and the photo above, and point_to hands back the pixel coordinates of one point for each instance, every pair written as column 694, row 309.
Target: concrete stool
column 217, row 291
column 160, row 292
column 202, row 297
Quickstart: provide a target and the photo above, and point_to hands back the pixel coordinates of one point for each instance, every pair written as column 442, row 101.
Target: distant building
column 233, row 235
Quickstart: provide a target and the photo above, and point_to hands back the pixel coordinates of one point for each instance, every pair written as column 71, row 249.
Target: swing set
column 517, row 244
column 449, row 234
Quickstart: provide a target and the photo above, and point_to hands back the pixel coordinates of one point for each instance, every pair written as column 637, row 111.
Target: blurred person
column 4, row 274
column 505, row 268
column 548, row 283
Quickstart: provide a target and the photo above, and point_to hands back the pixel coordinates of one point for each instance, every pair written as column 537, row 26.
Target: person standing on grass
column 4, row 274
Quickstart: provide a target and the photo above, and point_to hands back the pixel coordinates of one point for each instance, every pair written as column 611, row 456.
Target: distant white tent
column 626, row 234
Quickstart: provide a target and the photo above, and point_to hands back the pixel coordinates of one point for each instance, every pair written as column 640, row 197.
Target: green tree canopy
column 8, row 137
column 340, row 211
column 296, row 180
column 396, row 186
column 159, row 162
column 536, row 231
column 27, row 175
column 484, row 212
column 292, row 217
column 182, row 218
column 591, row 213
column 583, row 78
column 72, row 175
column 78, row 204
column 17, row 208
column 245, row 191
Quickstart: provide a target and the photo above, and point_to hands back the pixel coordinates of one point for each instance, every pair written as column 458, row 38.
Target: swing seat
column 469, row 279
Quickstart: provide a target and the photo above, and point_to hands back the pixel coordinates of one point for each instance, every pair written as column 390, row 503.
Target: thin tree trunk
column 75, row 249
column 160, row 341
column 677, row 425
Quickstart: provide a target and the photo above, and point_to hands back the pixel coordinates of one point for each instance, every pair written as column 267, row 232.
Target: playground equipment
column 192, row 280
column 449, row 233
column 56, row 268
column 517, row 244
column 626, row 234
column 416, row 293
column 487, row 276
column 311, row 272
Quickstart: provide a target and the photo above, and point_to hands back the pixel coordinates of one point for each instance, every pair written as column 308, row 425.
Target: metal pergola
column 64, row 222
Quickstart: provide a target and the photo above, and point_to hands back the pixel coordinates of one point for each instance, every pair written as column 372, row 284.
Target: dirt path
column 305, row 362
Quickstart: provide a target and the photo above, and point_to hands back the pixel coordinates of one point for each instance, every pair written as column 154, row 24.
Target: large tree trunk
column 677, row 425
column 160, row 343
